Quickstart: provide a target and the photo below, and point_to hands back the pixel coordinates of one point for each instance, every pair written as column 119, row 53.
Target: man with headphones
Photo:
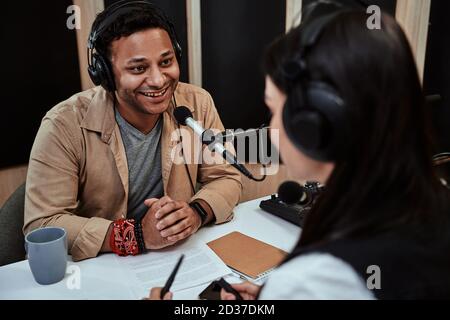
column 101, row 166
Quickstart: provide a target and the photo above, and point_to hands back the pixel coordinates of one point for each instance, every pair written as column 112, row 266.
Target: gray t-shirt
column 144, row 165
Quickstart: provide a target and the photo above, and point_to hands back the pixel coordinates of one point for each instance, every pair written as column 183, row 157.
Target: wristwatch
column 200, row 211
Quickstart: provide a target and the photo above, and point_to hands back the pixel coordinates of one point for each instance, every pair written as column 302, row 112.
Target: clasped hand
column 168, row 221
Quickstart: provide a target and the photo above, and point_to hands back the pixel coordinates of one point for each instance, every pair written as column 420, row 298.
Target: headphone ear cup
column 102, row 74
column 106, row 74
column 304, row 126
column 173, row 36
column 294, row 69
column 317, row 128
column 178, row 51
column 93, row 71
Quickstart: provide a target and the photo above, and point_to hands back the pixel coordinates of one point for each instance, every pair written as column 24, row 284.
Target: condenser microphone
column 184, row 117
column 290, row 192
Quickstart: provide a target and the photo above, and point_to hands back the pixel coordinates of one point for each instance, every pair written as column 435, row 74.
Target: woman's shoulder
column 315, row 276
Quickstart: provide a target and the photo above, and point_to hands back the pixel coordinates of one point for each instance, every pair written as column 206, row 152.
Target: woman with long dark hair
column 381, row 229
column 349, row 109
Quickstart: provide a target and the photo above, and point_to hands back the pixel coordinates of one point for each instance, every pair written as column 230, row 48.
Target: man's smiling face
column 146, row 71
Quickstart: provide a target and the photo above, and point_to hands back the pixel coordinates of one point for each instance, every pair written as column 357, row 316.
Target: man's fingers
column 160, row 202
column 182, row 235
column 179, row 224
column 171, row 219
column 168, row 208
column 165, row 200
column 150, row 202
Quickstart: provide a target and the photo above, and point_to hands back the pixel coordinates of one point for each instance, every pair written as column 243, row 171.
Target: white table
column 100, row 277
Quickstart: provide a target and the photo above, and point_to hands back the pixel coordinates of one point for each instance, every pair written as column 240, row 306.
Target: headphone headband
column 314, row 112
column 116, row 11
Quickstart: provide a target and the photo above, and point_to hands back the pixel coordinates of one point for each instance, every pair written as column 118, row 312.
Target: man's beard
column 134, row 103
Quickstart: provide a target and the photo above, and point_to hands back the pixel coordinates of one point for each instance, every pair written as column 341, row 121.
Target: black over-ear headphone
column 99, row 68
column 314, row 112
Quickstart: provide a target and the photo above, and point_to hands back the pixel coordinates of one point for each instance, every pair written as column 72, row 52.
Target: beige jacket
column 78, row 175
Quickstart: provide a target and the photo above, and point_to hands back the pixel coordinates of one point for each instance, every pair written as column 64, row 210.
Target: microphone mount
column 184, row 117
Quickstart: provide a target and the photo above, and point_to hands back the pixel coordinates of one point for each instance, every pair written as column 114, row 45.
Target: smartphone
column 212, row 292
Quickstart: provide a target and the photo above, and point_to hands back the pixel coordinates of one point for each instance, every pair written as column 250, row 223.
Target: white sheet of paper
column 200, row 265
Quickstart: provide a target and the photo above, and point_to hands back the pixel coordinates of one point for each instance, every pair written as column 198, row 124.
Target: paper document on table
column 152, row 269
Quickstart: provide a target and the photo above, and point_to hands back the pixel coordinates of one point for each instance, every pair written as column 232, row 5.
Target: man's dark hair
column 140, row 17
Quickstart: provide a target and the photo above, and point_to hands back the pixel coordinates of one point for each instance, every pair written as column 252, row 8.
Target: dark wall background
column 39, row 69
column 385, row 5
column 176, row 11
column 234, row 36
column 437, row 70
column 40, row 62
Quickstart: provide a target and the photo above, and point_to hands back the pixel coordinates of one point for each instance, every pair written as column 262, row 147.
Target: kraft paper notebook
column 246, row 255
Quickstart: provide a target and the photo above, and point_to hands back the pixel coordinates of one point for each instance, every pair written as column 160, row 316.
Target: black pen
column 228, row 288
column 171, row 278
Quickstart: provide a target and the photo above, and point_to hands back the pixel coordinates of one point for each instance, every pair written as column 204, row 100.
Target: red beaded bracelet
column 123, row 238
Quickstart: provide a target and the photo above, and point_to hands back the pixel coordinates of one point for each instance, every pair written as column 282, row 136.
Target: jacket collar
column 100, row 114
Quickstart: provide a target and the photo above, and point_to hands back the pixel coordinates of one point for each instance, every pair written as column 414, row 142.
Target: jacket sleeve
column 221, row 185
column 52, row 188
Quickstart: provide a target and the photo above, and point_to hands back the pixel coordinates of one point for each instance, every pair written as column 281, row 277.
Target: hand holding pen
column 164, row 293
column 171, row 278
